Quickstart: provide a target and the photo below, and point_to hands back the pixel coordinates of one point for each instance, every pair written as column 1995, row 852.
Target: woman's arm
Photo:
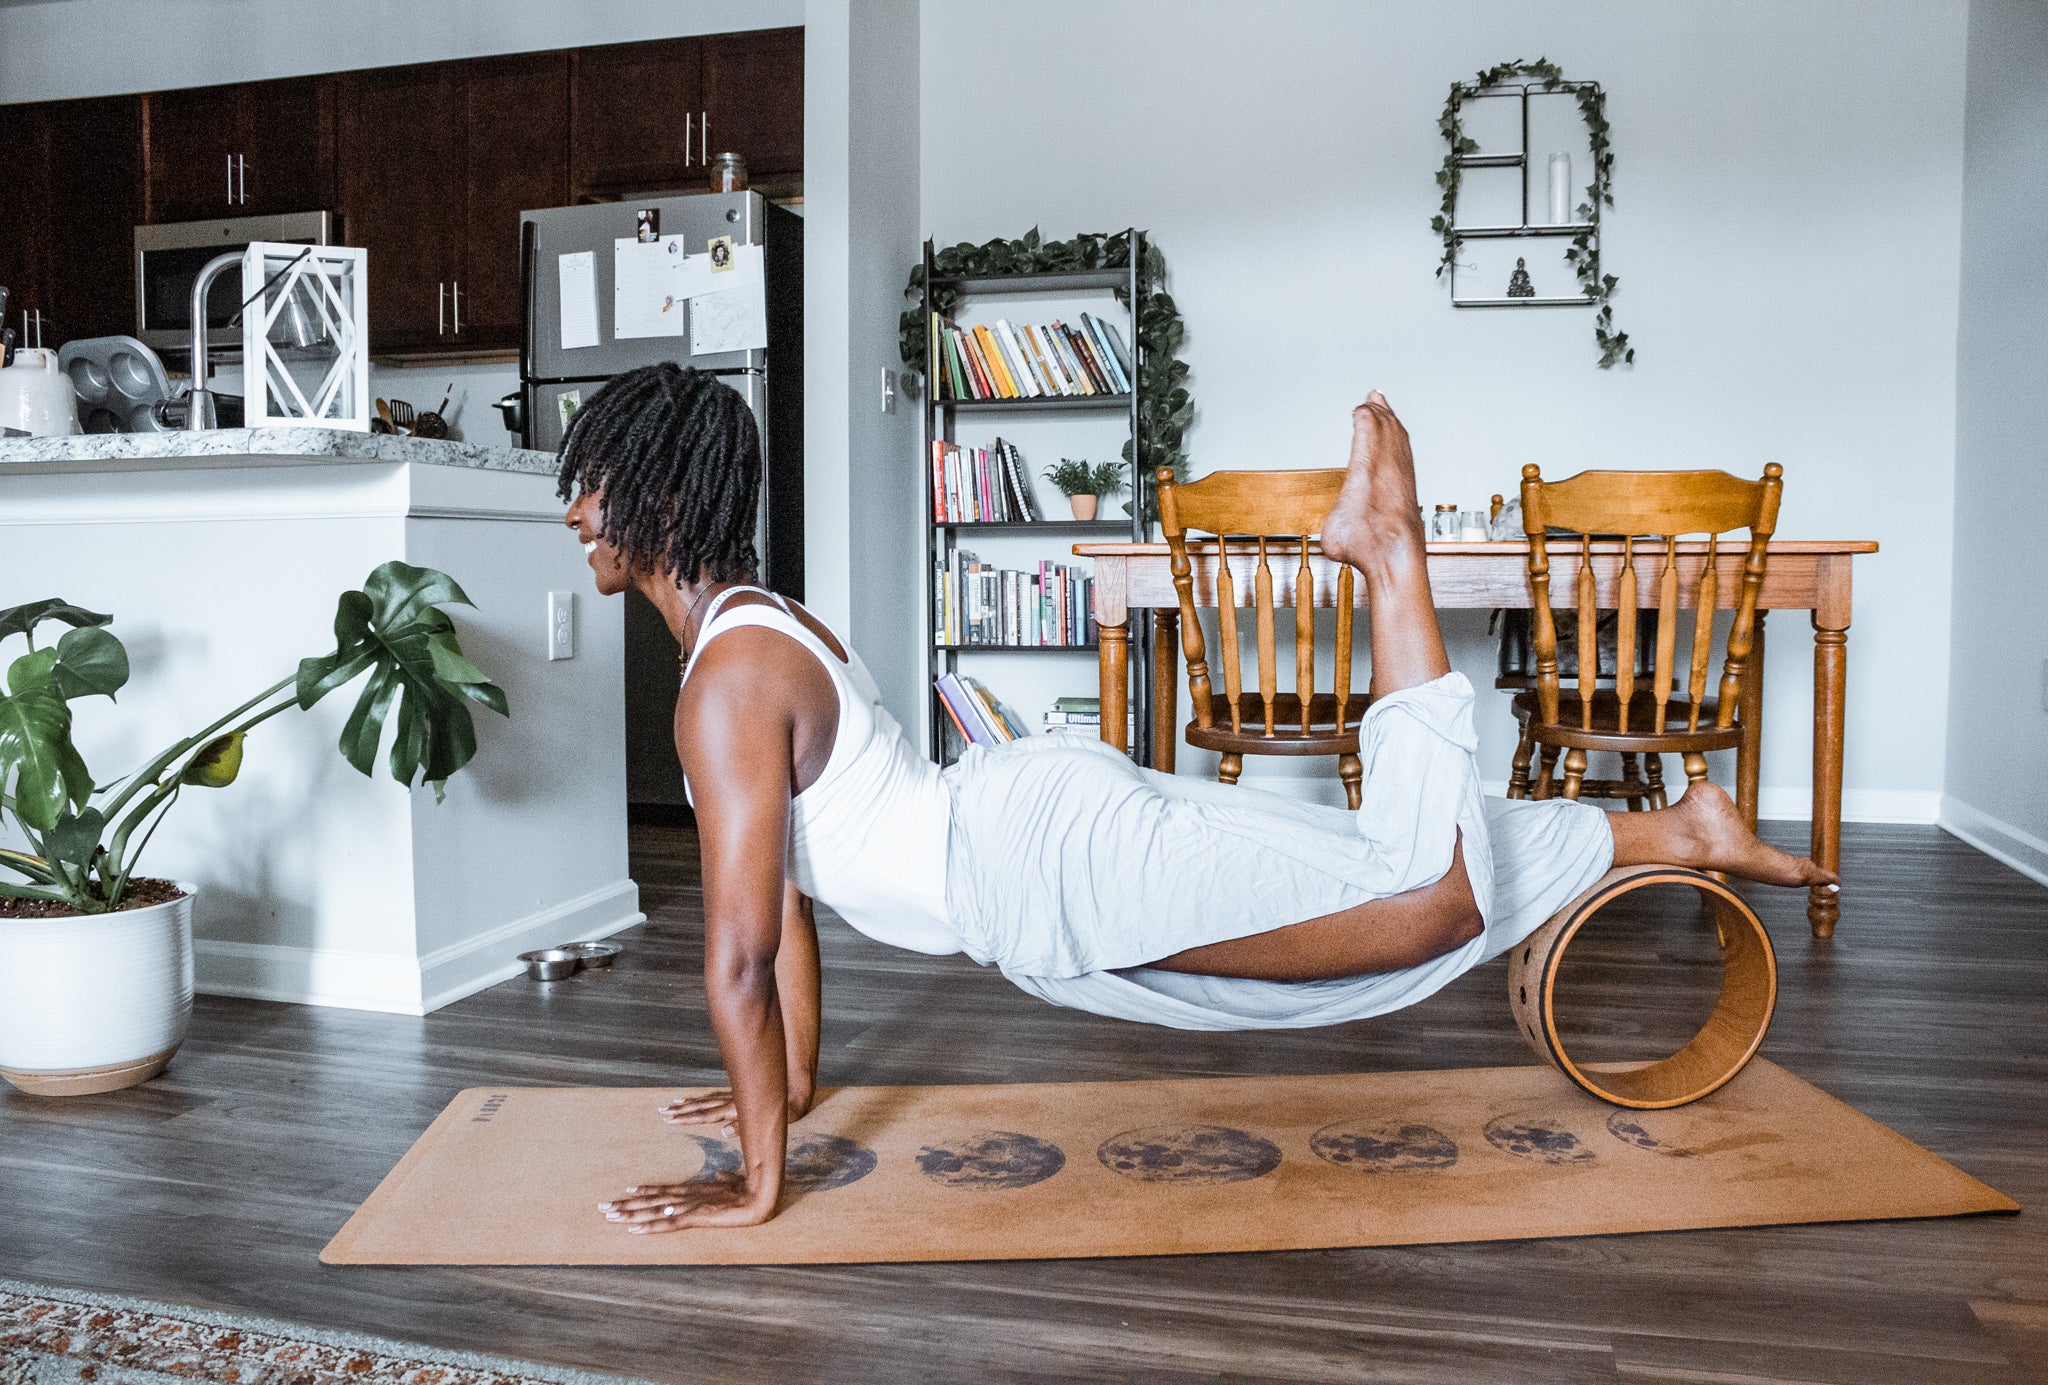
column 733, row 733
column 797, row 989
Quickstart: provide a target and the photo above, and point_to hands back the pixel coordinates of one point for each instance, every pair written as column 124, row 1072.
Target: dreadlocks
column 678, row 460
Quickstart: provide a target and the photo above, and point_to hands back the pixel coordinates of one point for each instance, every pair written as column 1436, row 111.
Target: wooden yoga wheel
column 1724, row 1045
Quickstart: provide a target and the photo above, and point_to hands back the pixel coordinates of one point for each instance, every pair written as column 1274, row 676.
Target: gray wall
column 1998, row 669
column 1787, row 215
column 863, row 544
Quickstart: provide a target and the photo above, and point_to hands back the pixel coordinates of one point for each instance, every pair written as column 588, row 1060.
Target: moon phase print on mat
column 1543, row 1137
column 992, row 1159
column 1382, row 1147
column 814, row 1164
column 1189, row 1154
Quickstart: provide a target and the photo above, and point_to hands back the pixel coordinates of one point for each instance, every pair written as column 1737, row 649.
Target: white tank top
column 868, row 838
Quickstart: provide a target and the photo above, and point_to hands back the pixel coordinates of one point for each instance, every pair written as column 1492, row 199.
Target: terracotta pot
column 97, row 1003
column 1084, row 505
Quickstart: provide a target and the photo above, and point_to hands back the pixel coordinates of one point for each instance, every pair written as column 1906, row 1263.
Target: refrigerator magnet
column 721, row 253
column 647, row 224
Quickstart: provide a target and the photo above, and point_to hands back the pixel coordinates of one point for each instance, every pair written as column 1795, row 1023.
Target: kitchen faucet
column 200, row 413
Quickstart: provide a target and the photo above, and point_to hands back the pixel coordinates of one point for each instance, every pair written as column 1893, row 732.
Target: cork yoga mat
column 513, row 1176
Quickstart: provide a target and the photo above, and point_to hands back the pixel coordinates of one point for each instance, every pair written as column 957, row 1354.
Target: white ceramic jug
column 36, row 397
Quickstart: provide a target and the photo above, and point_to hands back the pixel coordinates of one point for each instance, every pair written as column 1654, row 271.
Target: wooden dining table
column 1809, row 575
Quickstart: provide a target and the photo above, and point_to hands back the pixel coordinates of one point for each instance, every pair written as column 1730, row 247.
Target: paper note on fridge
column 735, row 318
column 644, row 298
column 578, row 273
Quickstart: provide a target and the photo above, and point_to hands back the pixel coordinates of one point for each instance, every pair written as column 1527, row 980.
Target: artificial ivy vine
column 1165, row 408
column 1584, row 255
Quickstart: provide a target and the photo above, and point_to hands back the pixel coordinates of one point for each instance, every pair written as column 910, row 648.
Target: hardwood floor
column 218, row 1183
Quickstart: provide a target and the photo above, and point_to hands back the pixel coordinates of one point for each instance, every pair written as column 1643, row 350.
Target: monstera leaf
column 19, row 620
column 392, row 629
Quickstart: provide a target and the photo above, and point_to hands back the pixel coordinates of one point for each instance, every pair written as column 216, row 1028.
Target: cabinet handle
column 689, row 135
column 456, row 294
column 231, row 180
column 704, row 133
column 242, row 177
column 441, row 309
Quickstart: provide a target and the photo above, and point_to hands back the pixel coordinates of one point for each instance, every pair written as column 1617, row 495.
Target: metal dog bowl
column 593, row 954
column 551, row 963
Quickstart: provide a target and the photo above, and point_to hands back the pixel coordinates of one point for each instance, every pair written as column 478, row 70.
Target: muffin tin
column 118, row 381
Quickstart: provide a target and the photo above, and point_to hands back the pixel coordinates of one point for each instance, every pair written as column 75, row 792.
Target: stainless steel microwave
column 168, row 259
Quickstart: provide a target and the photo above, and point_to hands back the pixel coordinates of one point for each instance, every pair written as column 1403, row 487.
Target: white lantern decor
column 305, row 343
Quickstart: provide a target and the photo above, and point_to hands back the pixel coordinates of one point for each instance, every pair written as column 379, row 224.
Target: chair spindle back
column 1282, row 511
column 1660, row 506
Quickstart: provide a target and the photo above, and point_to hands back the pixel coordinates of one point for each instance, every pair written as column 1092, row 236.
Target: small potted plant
column 96, row 961
column 1084, row 485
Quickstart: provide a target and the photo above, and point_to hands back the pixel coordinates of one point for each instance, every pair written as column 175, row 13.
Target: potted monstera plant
column 95, row 960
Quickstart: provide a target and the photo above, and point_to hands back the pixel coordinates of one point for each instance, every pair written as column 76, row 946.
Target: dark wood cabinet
column 518, row 157
column 248, row 150
column 438, row 161
column 633, row 116
column 754, row 98
column 428, row 166
column 25, row 233
column 403, row 149
column 95, row 199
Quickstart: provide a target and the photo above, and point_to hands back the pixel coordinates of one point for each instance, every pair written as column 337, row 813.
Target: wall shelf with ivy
column 1522, row 83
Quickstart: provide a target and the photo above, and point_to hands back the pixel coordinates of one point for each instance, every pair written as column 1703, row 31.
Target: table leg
column 1749, row 758
column 1830, row 667
column 1165, row 687
column 1114, row 662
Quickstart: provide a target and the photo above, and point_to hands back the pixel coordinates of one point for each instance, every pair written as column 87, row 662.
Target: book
column 1001, row 720
column 1027, row 366
column 992, row 358
column 967, row 711
column 1084, row 351
column 1078, row 704
column 1110, row 339
column 984, row 378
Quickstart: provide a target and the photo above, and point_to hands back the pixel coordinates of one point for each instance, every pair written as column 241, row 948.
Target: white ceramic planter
column 97, row 1003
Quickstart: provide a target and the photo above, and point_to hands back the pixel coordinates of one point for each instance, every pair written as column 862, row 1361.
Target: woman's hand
column 718, row 1108
column 724, row 1200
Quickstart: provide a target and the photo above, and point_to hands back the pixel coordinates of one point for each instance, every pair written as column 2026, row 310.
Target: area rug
column 513, row 1176
column 51, row 1336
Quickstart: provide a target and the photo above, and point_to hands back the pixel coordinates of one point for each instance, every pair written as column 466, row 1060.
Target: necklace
column 684, row 656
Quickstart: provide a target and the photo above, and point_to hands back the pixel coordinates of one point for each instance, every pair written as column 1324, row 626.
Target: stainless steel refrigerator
column 578, row 333
column 770, row 378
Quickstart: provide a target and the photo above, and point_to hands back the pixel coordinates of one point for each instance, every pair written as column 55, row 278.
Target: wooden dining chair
column 1278, row 511
column 1651, row 510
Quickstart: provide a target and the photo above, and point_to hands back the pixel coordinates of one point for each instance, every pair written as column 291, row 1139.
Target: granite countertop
column 91, row 451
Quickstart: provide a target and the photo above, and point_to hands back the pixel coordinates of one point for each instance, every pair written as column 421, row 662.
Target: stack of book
column 981, row 485
column 1028, row 362
column 975, row 603
column 974, row 711
column 1082, row 716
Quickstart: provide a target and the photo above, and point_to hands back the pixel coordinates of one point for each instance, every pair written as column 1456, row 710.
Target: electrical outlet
column 561, row 625
column 888, row 391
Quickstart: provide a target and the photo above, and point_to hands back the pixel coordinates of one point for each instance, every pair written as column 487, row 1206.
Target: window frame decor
column 1583, row 254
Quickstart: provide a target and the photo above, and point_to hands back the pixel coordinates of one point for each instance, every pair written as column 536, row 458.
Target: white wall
column 1787, row 186
column 1998, row 672
column 53, row 49
column 863, row 544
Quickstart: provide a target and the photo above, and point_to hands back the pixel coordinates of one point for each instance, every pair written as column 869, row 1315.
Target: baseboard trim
column 448, row 974
column 385, row 983
column 399, row 985
column 1996, row 838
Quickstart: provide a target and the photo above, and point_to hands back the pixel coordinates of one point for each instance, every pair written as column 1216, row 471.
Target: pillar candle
column 1560, row 189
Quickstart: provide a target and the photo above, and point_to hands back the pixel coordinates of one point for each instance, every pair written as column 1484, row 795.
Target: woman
column 1088, row 881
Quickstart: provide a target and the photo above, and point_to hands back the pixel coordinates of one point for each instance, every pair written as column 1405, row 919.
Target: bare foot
column 1711, row 835
column 1376, row 506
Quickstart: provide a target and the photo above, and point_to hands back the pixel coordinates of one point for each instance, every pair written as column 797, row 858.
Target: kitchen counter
column 220, row 556
column 260, row 447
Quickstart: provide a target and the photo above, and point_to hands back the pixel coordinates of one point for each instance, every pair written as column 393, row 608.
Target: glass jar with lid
column 728, row 173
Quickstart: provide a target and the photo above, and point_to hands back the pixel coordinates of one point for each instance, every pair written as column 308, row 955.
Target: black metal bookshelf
column 943, row 538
